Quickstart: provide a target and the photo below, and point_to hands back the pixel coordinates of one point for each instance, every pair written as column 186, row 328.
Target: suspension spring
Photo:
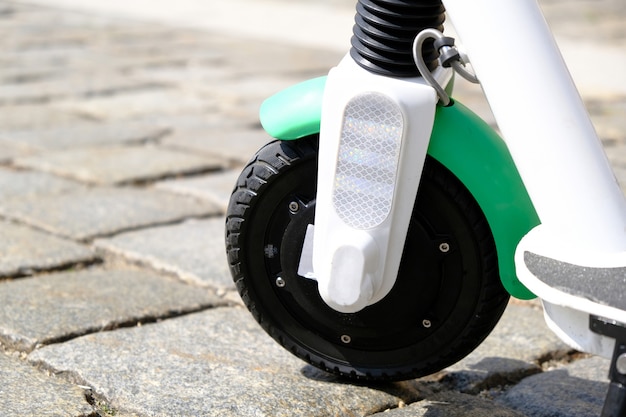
column 384, row 31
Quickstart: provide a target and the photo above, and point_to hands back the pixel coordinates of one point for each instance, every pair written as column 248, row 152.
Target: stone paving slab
column 61, row 306
column 214, row 363
column 141, row 104
column 238, row 350
column 84, row 214
column 37, row 117
column 33, row 61
column 119, row 164
column 216, row 187
column 21, row 184
column 510, row 353
column 26, row 392
column 242, row 143
column 16, row 76
column 451, row 404
column 227, row 59
column 102, row 84
column 87, row 135
column 10, row 150
column 23, row 251
column 192, row 250
column 575, row 390
column 600, row 20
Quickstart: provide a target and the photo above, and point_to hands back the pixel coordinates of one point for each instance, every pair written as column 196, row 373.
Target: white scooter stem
column 543, row 121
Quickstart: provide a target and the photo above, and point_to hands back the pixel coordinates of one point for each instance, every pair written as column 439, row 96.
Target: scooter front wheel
column 447, row 297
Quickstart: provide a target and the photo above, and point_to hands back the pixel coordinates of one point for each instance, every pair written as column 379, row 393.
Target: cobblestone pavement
column 120, row 141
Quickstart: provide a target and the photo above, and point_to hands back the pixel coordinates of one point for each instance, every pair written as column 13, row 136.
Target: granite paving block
column 61, row 57
column 23, row 41
column 20, row 75
column 41, row 116
column 451, row 404
column 10, row 149
column 197, row 122
column 215, row 363
column 55, row 307
column 20, row 183
column 92, row 84
column 193, row 250
column 575, row 390
column 275, row 58
column 510, row 353
column 119, row 164
column 84, row 214
column 27, row 392
column 191, row 71
column 162, row 59
column 141, row 104
column 601, row 21
column 235, row 144
column 24, row 251
column 216, row 187
column 92, row 134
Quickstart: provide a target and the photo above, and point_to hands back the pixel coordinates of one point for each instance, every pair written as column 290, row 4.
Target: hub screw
column 620, row 364
column 294, row 206
column 280, row 282
column 444, row 247
column 346, row 338
column 426, row 323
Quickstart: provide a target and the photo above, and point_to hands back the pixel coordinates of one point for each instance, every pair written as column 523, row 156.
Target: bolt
column 294, row 206
column 346, row 338
column 620, row 364
column 280, row 282
column 426, row 323
column 444, row 247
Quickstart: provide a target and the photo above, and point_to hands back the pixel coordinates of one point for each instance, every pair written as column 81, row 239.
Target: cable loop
column 452, row 58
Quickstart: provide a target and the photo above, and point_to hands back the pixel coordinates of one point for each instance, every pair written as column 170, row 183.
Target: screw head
column 426, row 323
column 620, row 364
column 346, row 338
column 280, row 282
column 294, row 206
column 444, row 247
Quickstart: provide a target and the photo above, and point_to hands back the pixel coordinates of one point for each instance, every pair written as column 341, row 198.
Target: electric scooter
column 380, row 236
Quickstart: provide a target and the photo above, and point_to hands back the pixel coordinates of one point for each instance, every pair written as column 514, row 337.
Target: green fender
column 461, row 141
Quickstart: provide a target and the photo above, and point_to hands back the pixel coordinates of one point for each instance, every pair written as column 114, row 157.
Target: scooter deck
column 601, row 285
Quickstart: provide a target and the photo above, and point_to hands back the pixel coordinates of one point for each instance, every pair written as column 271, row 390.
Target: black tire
column 446, row 300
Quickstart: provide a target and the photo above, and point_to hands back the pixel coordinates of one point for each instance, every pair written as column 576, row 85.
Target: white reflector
column 369, row 152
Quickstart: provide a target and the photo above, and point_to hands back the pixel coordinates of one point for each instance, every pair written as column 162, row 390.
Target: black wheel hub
column 409, row 313
column 424, row 296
